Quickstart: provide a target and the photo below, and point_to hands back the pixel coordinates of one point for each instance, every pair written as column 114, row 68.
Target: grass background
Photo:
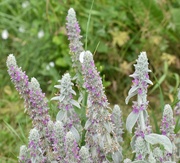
column 118, row 32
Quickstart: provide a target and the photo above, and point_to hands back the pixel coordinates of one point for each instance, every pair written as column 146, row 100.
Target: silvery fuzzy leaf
column 161, row 139
column 117, row 157
column 95, row 137
column 109, row 138
column 133, row 89
column 94, row 151
column 61, row 98
column 80, row 97
column 81, row 56
column 131, row 120
column 57, row 86
column 129, row 96
column 101, row 141
column 66, row 117
column 75, row 133
column 139, row 161
column 55, row 98
column 88, row 123
column 134, row 75
column 33, row 160
column 94, row 115
column 54, row 161
column 108, row 127
column 149, row 81
column 64, row 90
column 133, row 143
column 116, row 110
column 60, row 115
column 145, row 114
column 73, row 92
column 169, row 162
column 75, row 103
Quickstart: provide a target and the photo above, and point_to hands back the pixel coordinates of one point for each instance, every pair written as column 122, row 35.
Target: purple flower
column 100, row 136
column 85, row 155
column 71, row 149
column 116, row 118
column 73, row 32
column 38, row 109
column 58, row 144
column 140, row 79
column 168, row 123
column 35, row 102
column 18, row 78
column 34, row 147
column 140, row 83
column 24, row 156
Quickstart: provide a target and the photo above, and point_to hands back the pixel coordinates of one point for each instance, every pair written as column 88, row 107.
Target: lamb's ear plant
column 143, row 140
column 88, row 130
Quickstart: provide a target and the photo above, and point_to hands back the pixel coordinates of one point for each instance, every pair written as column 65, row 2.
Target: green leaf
column 56, row 40
column 177, row 126
column 61, row 62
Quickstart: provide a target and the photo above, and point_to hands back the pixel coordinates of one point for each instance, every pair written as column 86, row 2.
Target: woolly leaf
column 108, row 127
column 139, row 161
column 129, row 96
column 131, row 120
column 75, row 133
column 161, row 139
column 55, row 98
column 60, row 115
column 88, row 123
column 133, row 89
column 108, row 138
column 117, row 157
column 133, row 143
column 75, row 103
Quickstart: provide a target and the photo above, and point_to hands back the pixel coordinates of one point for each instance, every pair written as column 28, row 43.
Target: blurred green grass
column 118, row 31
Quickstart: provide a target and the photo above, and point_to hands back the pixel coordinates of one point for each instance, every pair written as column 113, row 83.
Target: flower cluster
column 35, row 101
column 116, row 118
column 18, row 78
column 71, row 149
column 24, row 154
column 168, row 123
column 73, row 32
column 140, row 79
column 67, row 113
column 58, row 145
column 84, row 155
column 100, row 135
column 139, row 88
column 38, row 105
column 34, row 147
